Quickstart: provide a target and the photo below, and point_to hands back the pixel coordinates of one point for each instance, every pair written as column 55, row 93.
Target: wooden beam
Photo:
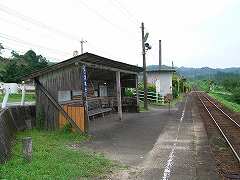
column 96, row 66
column 119, row 100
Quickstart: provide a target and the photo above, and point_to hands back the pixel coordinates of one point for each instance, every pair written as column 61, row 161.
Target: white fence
column 151, row 96
column 14, row 88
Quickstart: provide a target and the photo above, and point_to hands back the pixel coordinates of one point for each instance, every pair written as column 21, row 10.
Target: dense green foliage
column 150, row 87
column 231, row 83
column 17, row 66
column 225, row 87
column 54, row 158
column 179, row 84
column 236, row 94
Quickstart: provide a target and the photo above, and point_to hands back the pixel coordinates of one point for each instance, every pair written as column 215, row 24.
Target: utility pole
column 160, row 55
column 144, row 68
column 82, row 42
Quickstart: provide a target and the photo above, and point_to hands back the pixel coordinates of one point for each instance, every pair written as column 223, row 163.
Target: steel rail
column 219, row 128
column 223, row 112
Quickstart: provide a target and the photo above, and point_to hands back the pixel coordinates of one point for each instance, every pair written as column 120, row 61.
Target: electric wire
column 125, row 11
column 15, row 39
column 30, row 20
column 35, row 22
column 119, row 28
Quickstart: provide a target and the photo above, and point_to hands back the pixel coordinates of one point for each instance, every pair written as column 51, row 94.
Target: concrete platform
column 157, row 144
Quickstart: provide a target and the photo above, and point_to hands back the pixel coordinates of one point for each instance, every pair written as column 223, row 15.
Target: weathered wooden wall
column 67, row 78
column 13, row 119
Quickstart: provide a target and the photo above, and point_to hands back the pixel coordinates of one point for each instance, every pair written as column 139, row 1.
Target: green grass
column 53, row 158
column 226, row 100
column 18, row 97
column 219, row 94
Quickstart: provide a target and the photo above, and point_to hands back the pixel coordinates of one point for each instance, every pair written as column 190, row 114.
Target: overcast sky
column 194, row 33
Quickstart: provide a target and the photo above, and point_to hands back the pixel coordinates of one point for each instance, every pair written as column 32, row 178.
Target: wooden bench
column 98, row 106
column 98, row 111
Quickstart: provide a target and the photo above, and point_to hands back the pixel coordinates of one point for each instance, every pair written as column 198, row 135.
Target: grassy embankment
column 220, row 95
column 54, row 158
column 18, row 97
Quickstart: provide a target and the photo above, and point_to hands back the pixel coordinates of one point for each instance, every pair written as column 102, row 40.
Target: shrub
column 150, row 87
column 129, row 92
column 175, row 92
column 236, row 94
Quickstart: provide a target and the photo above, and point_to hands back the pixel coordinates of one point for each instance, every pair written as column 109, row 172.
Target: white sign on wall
column 64, row 96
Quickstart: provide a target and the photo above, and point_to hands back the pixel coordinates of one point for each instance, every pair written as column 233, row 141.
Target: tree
column 17, row 66
column 10, row 72
column 236, row 94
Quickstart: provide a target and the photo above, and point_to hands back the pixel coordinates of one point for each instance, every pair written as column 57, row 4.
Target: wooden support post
column 137, row 94
column 119, row 100
column 27, row 149
column 23, row 94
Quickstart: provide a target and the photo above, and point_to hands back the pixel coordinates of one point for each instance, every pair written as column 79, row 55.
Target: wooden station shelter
column 84, row 86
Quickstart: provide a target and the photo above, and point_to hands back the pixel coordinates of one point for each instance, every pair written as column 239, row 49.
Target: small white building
column 162, row 79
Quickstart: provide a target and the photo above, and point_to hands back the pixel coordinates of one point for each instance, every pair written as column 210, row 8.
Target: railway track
column 221, row 125
column 229, row 128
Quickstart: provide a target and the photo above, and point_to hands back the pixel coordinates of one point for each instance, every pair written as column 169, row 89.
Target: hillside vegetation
column 196, row 73
column 225, row 87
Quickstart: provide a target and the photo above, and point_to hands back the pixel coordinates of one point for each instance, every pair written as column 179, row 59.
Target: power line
column 23, row 17
column 125, row 11
column 30, row 20
column 13, row 23
column 40, row 24
column 15, row 39
column 119, row 28
column 102, row 52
